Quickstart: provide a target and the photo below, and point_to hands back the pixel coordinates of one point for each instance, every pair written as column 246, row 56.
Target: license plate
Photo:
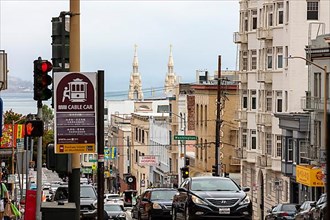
column 224, row 210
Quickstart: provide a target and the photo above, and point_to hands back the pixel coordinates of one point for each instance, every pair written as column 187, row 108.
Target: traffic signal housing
column 185, row 172
column 42, row 80
column 215, row 170
column 34, row 128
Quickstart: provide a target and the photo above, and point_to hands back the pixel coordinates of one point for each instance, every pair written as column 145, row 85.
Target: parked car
column 87, row 197
column 115, row 211
column 319, row 208
column 282, row 211
column 154, row 203
column 304, row 211
column 211, row 197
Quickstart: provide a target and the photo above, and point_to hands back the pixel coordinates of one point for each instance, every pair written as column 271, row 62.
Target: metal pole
column 13, row 159
column 74, row 57
column 218, row 122
column 39, row 164
column 100, row 143
column 184, row 142
column 26, row 166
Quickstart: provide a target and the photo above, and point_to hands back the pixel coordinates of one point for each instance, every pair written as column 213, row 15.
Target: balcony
column 235, row 161
column 241, row 116
column 241, row 153
column 240, row 38
column 264, row 76
column 263, row 161
column 309, row 103
column 264, row 119
column 240, row 76
column 264, row 33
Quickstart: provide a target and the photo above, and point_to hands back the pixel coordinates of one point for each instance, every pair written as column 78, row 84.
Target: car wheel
column 173, row 214
column 186, row 214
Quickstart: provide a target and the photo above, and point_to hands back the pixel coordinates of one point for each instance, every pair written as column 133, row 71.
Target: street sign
column 75, row 112
column 185, row 137
column 93, row 160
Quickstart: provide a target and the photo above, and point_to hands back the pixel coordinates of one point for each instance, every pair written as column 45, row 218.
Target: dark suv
column 211, row 197
column 154, row 203
column 87, row 197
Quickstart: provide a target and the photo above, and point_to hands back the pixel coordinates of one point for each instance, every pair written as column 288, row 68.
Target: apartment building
column 269, row 32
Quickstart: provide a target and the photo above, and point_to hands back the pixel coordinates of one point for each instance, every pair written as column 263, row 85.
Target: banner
column 7, row 135
column 148, row 160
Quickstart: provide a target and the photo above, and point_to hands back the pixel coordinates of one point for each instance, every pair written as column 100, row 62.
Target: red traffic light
column 34, row 128
column 45, row 66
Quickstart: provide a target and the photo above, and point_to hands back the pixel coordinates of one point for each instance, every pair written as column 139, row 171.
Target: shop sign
column 309, row 176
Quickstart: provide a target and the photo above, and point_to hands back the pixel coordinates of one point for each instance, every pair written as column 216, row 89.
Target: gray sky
column 198, row 30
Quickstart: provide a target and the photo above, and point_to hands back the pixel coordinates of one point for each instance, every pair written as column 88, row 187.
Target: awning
column 309, row 176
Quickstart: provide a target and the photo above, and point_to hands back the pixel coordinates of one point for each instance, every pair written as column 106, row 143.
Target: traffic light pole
column 39, row 165
column 218, row 123
column 74, row 57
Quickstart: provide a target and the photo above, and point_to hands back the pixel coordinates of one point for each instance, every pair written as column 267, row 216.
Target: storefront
column 311, row 180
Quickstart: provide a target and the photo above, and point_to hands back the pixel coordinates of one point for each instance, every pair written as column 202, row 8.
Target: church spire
column 170, row 79
column 135, row 61
column 170, row 62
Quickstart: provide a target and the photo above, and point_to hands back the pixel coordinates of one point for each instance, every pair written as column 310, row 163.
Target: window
column 142, row 136
column 244, row 60
column 278, row 145
column 254, row 20
column 270, row 19
column 269, row 101
column 286, row 101
column 279, row 101
column 312, row 10
column 269, row 58
column 280, row 13
column 269, row 143
column 205, row 158
column 286, row 63
column 85, row 157
column 244, row 137
column 290, row 150
column 245, row 100
column 303, row 152
column 317, row 85
column 253, row 139
column 197, row 114
column 205, row 122
column 287, row 11
column 202, row 115
column 253, row 99
column 253, row 59
column 136, row 133
column 246, row 22
column 268, row 185
column 279, row 51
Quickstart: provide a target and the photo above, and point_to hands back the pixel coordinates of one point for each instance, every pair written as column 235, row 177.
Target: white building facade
column 269, row 32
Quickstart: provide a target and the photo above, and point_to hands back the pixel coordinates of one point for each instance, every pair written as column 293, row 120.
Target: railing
column 263, row 161
column 241, row 115
column 241, row 153
column 264, row 33
column 264, row 76
column 240, row 37
column 309, row 103
column 264, row 119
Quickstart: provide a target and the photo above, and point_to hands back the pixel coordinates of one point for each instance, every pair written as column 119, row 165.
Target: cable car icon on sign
column 76, row 91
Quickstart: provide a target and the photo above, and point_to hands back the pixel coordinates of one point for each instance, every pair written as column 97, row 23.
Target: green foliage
column 10, row 117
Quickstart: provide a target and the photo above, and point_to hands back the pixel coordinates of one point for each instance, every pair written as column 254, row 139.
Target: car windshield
column 162, row 194
column 87, row 192
column 113, row 208
column 214, row 185
column 288, row 207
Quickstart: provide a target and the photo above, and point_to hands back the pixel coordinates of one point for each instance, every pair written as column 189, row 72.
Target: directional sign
column 185, row 137
column 75, row 112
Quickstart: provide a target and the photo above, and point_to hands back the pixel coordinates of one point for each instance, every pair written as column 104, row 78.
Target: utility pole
column 39, row 165
column 218, row 123
column 74, row 57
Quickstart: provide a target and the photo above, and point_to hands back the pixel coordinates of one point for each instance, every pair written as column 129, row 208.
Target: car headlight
column 122, row 215
column 197, row 200
column 246, row 200
column 156, row 206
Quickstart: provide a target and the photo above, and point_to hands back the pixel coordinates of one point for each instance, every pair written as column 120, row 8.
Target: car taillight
column 284, row 214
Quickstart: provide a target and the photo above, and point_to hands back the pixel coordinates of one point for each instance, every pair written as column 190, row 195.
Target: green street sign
column 185, row 137
column 93, row 160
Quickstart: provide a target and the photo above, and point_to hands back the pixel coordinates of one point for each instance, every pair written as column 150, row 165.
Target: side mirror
column 246, row 189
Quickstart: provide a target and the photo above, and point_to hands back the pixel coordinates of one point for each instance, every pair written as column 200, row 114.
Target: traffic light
column 42, row 80
column 215, row 170
column 185, row 172
column 34, row 128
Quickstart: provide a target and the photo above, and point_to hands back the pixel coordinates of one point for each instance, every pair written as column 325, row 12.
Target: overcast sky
column 198, row 30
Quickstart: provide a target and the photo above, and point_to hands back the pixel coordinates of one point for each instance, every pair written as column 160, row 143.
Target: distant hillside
column 16, row 84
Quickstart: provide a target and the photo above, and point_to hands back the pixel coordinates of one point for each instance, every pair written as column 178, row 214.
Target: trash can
column 56, row 211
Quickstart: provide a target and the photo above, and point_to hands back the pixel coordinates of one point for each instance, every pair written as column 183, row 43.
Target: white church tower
column 171, row 79
column 135, row 83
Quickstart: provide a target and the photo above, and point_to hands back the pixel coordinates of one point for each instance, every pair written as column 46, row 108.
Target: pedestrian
column 4, row 196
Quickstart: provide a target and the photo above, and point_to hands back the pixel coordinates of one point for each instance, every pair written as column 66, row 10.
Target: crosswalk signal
column 34, row 128
column 42, row 80
column 185, row 172
column 214, row 170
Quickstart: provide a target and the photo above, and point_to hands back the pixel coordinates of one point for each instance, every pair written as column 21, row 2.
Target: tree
column 47, row 117
column 10, row 117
